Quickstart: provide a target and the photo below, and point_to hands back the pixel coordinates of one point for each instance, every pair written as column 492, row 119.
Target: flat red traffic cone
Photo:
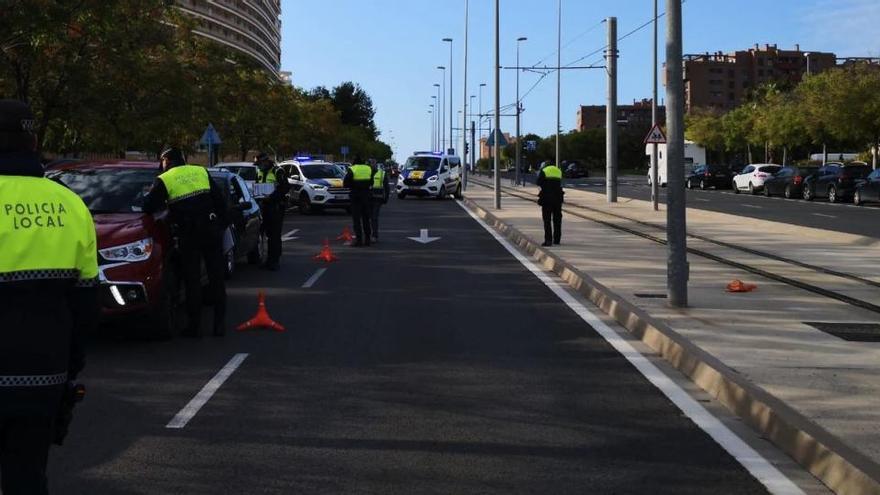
column 345, row 236
column 261, row 319
column 326, row 255
column 738, row 286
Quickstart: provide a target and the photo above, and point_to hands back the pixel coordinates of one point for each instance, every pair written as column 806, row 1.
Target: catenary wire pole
column 611, row 114
column 676, row 209
column 495, row 132
column 655, row 186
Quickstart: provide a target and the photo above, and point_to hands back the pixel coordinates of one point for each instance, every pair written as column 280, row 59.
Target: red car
column 136, row 256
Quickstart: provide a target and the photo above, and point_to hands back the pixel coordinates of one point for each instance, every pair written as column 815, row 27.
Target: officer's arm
column 348, row 181
column 540, row 180
column 157, row 198
column 281, row 186
column 83, row 299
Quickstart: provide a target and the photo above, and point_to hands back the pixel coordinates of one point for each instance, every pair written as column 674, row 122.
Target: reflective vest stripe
column 361, row 173
column 552, row 172
column 379, row 179
column 185, row 182
column 33, row 380
column 46, row 232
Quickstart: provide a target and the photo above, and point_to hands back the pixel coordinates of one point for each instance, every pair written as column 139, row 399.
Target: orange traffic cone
column 261, row 319
column 326, row 255
column 345, row 236
column 739, row 286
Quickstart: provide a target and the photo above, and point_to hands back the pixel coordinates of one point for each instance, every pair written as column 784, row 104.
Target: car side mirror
column 294, row 177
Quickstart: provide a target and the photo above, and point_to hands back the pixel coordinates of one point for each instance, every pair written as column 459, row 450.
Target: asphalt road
column 820, row 214
column 406, row 368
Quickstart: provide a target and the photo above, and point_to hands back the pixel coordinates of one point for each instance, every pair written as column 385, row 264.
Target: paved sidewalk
column 815, row 395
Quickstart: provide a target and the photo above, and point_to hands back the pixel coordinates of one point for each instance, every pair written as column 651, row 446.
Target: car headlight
column 134, row 251
column 433, row 178
column 318, row 187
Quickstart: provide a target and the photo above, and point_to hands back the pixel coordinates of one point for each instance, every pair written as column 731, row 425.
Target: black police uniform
column 273, row 208
column 551, row 198
column 200, row 220
column 48, row 300
column 381, row 192
column 359, row 180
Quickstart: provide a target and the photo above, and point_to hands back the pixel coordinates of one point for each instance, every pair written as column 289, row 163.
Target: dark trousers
column 552, row 214
column 361, row 212
column 24, row 451
column 194, row 249
column 273, row 222
column 374, row 216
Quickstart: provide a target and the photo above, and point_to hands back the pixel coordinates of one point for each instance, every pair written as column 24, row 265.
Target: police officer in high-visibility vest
column 198, row 211
column 550, row 198
column 273, row 206
column 359, row 180
column 381, row 192
column 48, row 300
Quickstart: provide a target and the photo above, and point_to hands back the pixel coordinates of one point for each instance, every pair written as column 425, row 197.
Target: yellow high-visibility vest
column 552, row 172
column 185, row 182
column 361, row 173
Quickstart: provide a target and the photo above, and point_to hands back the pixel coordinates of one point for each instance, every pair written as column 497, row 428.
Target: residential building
column 723, row 81
column 486, row 151
column 252, row 27
column 637, row 116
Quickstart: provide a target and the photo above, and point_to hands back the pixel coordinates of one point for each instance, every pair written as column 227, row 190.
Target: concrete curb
column 842, row 468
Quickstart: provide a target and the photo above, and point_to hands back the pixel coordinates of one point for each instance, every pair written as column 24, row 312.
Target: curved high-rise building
column 252, row 27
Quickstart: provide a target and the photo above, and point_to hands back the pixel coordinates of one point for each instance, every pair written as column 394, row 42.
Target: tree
column 355, row 107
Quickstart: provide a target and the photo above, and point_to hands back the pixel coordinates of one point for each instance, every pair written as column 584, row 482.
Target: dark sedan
column 869, row 190
column 575, row 170
column 243, row 239
column 789, row 181
column 835, row 181
column 706, row 176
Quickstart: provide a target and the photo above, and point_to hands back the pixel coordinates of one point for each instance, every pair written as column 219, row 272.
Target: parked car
column 138, row 264
column 752, row 177
column 245, row 170
column 243, row 239
column 835, row 181
column 869, row 190
column 789, row 181
column 706, row 176
column 575, row 170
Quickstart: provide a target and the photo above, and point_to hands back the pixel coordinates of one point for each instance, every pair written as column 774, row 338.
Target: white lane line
column 754, row 206
column 290, row 236
column 760, row 468
column 823, row 215
column 205, row 394
column 314, row 278
column 701, row 199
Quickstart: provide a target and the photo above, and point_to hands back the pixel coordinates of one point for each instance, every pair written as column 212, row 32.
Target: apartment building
column 636, row 116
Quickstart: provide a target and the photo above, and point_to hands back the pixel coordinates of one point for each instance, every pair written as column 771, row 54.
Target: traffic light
column 467, row 148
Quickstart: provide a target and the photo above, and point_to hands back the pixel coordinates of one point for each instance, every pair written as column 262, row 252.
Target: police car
column 315, row 185
column 428, row 174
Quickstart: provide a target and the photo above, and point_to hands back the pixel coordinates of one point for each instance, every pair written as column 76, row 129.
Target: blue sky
column 392, row 48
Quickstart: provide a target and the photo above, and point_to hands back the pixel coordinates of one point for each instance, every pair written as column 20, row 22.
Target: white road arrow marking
column 423, row 237
column 290, row 236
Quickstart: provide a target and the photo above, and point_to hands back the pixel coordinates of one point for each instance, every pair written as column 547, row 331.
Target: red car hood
column 115, row 229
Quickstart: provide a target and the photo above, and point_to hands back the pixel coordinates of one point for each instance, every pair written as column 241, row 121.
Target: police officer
column 381, row 191
column 359, row 180
column 198, row 211
column 273, row 206
column 550, row 199
column 48, row 300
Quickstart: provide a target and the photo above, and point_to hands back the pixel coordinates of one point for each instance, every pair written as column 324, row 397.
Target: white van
column 427, row 174
column 694, row 156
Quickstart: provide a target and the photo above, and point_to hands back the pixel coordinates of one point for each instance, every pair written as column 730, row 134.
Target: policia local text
column 27, row 215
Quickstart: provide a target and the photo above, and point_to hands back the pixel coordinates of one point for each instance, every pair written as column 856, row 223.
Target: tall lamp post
column 431, row 113
column 480, row 122
column 496, row 144
column 451, row 142
column 439, row 108
column 443, row 122
column 465, row 101
column 518, row 112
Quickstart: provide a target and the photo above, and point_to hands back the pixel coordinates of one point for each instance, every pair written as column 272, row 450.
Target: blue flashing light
column 303, row 159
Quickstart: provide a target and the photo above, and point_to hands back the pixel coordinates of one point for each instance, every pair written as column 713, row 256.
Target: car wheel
column 832, row 195
column 458, row 194
column 689, row 184
column 305, row 206
column 752, row 189
column 703, row 185
column 734, row 187
column 229, row 264
column 766, row 191
column 258, row 254
column 442, row 195
column 401, row 195
column 163, row 322
column 857, row 198
column 807, row 194
column 789, row 194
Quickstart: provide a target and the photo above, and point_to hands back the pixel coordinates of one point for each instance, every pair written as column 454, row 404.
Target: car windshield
column 426, row 163
column 321, row 171
column 110, row 190
column 246, row 173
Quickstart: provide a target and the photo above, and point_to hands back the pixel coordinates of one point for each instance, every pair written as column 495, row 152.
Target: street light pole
column 676, row 206
column 496, row 134
column 465, row 101
column 480, row 121
column 443, row 123
column 439, row 108
column 451, row 87
column 432, row 126
column 611, row 114
column 655, row 187
column 558, row 80
column 518, row 112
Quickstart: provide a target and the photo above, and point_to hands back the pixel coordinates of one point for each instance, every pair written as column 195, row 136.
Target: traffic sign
column 531, row 145
column 343, row 150
column 656, row 136
column 502, row 141
column 210, row 137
